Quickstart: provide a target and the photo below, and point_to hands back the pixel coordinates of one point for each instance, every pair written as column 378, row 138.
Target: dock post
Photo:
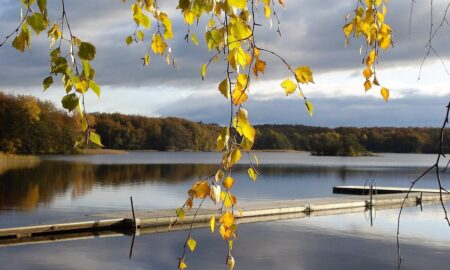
column 134, row 225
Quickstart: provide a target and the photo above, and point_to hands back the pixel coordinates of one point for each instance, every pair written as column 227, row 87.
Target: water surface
column 64, row 188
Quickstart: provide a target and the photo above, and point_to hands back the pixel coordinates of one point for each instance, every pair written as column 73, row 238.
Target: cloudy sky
column 311, row 35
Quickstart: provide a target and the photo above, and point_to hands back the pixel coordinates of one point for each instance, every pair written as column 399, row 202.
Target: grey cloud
column 424, row 111
column 311, row 35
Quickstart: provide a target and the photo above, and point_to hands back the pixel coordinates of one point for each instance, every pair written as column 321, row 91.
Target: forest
column 31, row 126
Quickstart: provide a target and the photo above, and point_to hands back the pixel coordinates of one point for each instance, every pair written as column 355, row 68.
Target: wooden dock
column 364, row 190
column 122, row 223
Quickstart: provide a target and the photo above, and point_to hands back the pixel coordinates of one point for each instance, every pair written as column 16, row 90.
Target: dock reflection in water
column 335, row 242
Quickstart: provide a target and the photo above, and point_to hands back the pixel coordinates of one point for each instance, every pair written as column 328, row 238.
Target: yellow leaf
column 146, row 59
column 222, row 140
column 239, row 97
column 371, row 58
column 158, row 45
column 309, row 107
column 235, row 156
column 182, row 265
column 212, row 223
column 367, row 85
column 242, row 81
column 82, row 86
column 237, row 57
column 194, row 39
column 227, row 219
column 385, row 42
column 256, row 52
column 189, row 17
column 238, row 3
column 267, row 11
column 246, row 144
column 289, row 86
column 252, row 173
column 230, row 262
column 367, row 73
column 243, row 126
column 200, row 189
column 191, row 244
column 225, row 232
column 224, row 88
column 189, row 202
column 348, row 29
column 228, row 182
column 218, row 176
column 228, row 199
column 260, row 66
column 167, row 23
column 303, row 75
column 385, row 93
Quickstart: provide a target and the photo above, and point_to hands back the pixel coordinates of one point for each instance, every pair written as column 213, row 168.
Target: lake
column 64, row 188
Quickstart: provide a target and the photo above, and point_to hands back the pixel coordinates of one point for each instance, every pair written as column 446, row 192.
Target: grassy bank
column 9, row 162
column 101, row 152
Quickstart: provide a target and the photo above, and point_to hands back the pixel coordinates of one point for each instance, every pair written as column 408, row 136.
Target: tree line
column 31, row 126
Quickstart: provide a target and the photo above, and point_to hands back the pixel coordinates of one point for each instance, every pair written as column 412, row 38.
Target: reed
column 10, row 162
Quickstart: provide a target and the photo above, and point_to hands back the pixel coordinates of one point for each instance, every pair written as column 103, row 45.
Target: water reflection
column 39, row 186
column 26, row 188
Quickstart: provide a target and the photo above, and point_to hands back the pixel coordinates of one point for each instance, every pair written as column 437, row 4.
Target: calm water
column 62, row 188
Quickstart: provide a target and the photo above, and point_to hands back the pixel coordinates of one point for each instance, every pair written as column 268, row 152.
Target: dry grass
column 101, row 151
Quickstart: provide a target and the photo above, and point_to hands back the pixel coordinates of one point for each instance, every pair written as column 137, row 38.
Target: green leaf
column 95, row 87
column 78, row 142
column 86, row 68
column 140, row 35
column 37, row 22
column 22, row 39
column 84, row 124
column 184, row 4
column 70, row 102
column 309, row 107
column 191, row 244
column 86, row 51
column 203, row 71
column 47, row 82
column 42, row 4
column 180, row 213
column 95, row 138
column 129, row 40
column 194, row 39
column 28, row 3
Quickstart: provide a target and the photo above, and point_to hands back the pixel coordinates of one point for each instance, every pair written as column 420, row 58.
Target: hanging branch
column 435, row 168
column 432, row 34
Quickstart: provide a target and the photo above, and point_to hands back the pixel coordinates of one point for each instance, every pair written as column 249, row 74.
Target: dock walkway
column 120, row 223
